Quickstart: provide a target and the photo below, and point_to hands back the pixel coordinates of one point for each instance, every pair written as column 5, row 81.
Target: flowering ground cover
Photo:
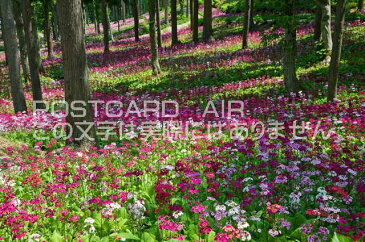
column 200, row 185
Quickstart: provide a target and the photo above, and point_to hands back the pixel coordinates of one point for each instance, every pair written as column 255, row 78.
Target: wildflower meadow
column 196, row 138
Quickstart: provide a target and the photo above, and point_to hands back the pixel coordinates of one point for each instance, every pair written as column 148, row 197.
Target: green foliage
column 340, row 238
column 237, row 6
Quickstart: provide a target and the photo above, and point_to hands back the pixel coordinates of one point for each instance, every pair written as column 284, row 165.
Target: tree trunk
column 98, row 30
column 104, row 8
column 12, row 53
column 290, row 48
column 191, row 14
column 153, row 38
column 187, row 8
column 20, row 33
column 123, row 10
column 326, row 34
column 47, row 28
column 55, row 23
column 136, row 19
column 75, row 66
column 207, row 21
column 95, row 18
column 337, row 48
column 158, row 24
column 117, row 14
column 166, row 2
column 109, row 27
column 31, row 39
column 317, row 23
column 196, row 21
column 360, row 5
column 174, row 37
column 247, row 21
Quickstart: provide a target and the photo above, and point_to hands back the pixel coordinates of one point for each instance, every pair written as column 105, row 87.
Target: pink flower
column 193, row 191
column 274, row 208
column 222, row 237
column 198, row 209
column 228, row 228
column 164, row 223
column 73, row 218
column 19, row 236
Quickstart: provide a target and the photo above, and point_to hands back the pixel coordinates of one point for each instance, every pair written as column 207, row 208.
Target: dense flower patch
column 218, row 190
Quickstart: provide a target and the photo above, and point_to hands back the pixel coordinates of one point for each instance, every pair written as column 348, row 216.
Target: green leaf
column 105, row 239
column 98, row 220
column 56, row 237
column 298, row 235
column 340, row 238
column 297, row 221
column 128, row 236
column 147, row 237
column 211, row 236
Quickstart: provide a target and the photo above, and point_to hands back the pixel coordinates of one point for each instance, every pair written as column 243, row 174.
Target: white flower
column 233, row 211
column 137, row 209
column 274, row 233
column 177, row 214
column 246, row 236
column 231, row 203
column 168, row 167
column 220, row 208
column 242, row 224
column 352, row 172
column 34, row 237
column 89, row 220
column 92, row 229
column 129, row 195
column 114, row 206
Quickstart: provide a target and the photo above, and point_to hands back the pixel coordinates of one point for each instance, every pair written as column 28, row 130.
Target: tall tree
column 196, row 21
column 135, row 13
column 207, row 21
column 166, row 3
column 247, row 21
column 337, row 49
column 191, row 14
column 12, row 54
column 326, row 34
column 96, row 18
column 158, row 24
column 153, row 38
column 123, row 10
column 47, row 27
column 290, row 47
column 174, row 38
column 55, row 23
column 75, row 65
column 106, row 32
column 360, row 5
column 109, row 26
column 31, row 39
column 187, row 8
column 20, row 32
column 317, row 23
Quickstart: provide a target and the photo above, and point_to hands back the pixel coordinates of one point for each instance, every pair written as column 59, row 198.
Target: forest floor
column 263, row 187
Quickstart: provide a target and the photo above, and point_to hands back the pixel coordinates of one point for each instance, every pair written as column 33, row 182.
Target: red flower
column 313, row 212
